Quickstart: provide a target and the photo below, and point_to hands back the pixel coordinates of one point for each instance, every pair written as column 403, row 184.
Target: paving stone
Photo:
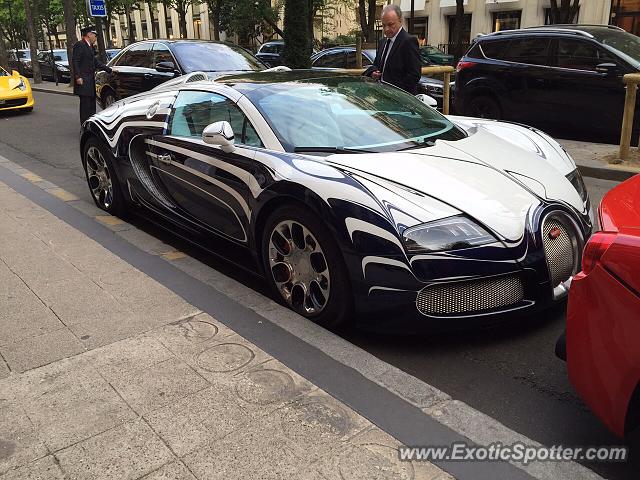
column 68, row 401
column 128, row 451
column 158, row 385
column 412, row 389
column 19, row 442
column 37, row 265
column 110, row 327
column 172, row 471
column 4, row 369
column 34, row 352
column 44, row 469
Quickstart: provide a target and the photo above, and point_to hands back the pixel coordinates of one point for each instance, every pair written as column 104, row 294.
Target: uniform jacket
column 85, row 65
column 403, row 64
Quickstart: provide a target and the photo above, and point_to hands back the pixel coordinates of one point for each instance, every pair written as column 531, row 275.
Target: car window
column 494, row 49
column 193, row 111
column 137, row 56
column 579, row 55
column 534, row 51
column 44, row 56
column 268, row 49
column 215, row 57
column 60, row 55
column 351, row 60
column 331, row 60
column 161, row 53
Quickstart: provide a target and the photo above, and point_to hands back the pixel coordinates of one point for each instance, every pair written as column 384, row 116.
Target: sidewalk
column 51, row 87
column 106, row 374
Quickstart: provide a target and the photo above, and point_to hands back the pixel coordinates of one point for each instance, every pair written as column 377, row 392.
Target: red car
column 603, row 316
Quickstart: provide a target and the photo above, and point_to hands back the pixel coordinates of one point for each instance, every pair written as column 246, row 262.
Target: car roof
column 583, row 30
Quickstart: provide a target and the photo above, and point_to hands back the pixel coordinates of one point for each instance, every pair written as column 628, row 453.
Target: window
column 331, row 60
column 161, row 53
column 506, row 20
column 580, row 55
column 194, row 111
column 495, row 49
column 351, row 60
column 534, row 51
column 268, row 48
column 137, row 56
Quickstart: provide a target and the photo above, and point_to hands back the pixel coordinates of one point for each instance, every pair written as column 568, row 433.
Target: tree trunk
column 565, row 13
column 182, row 22
column 130, row 29
column 4, row 56
column 458, row 28
column 214, row 19
column 275, row 27
column 33, row 46
column 154, row 27
column 56, row 35
column 367, row 13
column 102, row 55
column 70, row 27
column 107, row 32
column 297, row 44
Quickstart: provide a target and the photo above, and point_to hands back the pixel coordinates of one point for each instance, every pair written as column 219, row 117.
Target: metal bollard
column 631, row 81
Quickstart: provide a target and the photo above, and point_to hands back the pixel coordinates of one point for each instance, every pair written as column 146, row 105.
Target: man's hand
column 377, row 75
column 79, row 81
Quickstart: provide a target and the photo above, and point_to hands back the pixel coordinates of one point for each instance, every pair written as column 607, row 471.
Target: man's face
column 92, row 38
column 390, row 24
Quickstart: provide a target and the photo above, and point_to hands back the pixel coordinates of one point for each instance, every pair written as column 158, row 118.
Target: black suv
column 560, row 76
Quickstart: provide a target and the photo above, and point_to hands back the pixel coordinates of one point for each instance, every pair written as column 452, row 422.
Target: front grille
column 561, row 251
column 13, row 102
column 470, row 296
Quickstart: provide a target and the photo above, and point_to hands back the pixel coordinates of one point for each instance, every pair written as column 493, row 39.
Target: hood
column 8, row 83
column 471, row 175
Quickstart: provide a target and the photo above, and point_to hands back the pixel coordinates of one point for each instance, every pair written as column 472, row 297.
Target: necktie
column 385, row 52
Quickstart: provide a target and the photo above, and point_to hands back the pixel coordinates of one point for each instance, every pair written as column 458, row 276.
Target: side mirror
column 166, row 67
column 427, row 100
column 15, row 73
column 221, row 134
column 609, row 69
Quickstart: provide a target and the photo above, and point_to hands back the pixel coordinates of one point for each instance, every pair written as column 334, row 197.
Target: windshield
column 349, row 113
column 26, row 54
column 214, row 57
column 624, row 42
column 60, row 55
column 3, row 72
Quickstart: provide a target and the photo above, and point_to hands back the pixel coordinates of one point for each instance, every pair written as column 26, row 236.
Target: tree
column 51, row 15
column 250, row 19
column 181, row 7
column 297, row 38
column 219, row 12
column 457, row 29
column 566, row 12
column 4, row 58
column 31, row 14
column 153, row 9
column 70, row 28
column 13, row 22
column 367, row 14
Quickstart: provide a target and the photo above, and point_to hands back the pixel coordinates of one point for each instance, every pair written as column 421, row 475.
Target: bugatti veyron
column 354, row 199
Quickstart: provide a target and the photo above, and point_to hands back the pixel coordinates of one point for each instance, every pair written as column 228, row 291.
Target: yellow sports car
column 15, row 92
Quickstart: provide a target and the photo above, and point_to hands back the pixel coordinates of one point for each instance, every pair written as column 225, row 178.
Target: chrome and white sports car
column 350, row 196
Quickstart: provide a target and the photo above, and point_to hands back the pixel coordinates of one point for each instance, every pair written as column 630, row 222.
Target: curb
column 459, row 417
column 615, row 174
column 49, row 90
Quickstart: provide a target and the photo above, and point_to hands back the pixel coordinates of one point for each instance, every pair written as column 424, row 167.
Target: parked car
column 552, row 76
column 345, row 57
column 112, row 52
column 56, row 67
column 349, row 195
column 15, row 92
column 144, row 65
column 436, row 56
column 270, row 53
column 602, row 341
column 20, row 60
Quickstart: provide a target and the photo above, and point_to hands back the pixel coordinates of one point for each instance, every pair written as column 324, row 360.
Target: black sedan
column 145, row 65
column 20, row 60
column 54, row 65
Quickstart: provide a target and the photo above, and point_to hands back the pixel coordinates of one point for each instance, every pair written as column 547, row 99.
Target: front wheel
column 108, row 99
column 101, row 178
column 484, row 106
column 305, row 268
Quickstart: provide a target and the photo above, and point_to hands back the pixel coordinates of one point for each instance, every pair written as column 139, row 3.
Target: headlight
column 430, row 87
column 22, row 86
column 452, row 233
column 576, row 180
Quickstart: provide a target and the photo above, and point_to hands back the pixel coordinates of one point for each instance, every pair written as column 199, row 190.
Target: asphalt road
column 510, row 374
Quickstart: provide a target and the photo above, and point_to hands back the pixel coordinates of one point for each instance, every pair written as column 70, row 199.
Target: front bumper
column 17, row 100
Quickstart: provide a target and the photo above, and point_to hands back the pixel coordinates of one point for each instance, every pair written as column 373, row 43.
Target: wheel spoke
column 281, row 272
column 297, row 235
column 280, row 243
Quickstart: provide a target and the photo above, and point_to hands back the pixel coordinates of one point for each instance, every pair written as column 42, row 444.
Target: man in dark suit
column 397, row 60
column 85, row 65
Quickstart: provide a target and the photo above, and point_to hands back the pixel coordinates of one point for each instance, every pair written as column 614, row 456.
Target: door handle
column 165, row 158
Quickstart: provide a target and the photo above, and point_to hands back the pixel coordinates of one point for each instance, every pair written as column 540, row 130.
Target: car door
column 525, row 79
column 578, row 95
column 351, row 60
column 161, row 53
column 211, row 187
column 132, row 67
column 44, row 61
column 330, row 61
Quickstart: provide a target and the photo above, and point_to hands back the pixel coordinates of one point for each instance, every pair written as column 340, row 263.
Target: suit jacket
column 403, row 65
column 85, row 65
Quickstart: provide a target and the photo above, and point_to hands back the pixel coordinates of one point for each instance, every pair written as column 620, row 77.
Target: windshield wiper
column 331, row 150
column 424, row 143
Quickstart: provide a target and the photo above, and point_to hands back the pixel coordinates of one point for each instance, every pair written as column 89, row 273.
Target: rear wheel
column 484, row 106
column 108, row 99
column 101, row 178
column 304, row 267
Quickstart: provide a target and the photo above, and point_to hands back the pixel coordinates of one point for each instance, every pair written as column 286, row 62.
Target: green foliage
column 13, row 23
column 297, row 37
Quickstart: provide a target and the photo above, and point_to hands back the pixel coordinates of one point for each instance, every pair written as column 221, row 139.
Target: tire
column 484, row 106
column 108, row 99
column 101, row 178
column 312, row 280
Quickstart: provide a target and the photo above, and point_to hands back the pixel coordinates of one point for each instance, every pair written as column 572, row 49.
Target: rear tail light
column 595, row 248
column 462, row 64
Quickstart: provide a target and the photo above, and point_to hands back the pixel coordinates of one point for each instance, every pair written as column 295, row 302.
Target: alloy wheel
column 99, row 178
column 299, row 267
